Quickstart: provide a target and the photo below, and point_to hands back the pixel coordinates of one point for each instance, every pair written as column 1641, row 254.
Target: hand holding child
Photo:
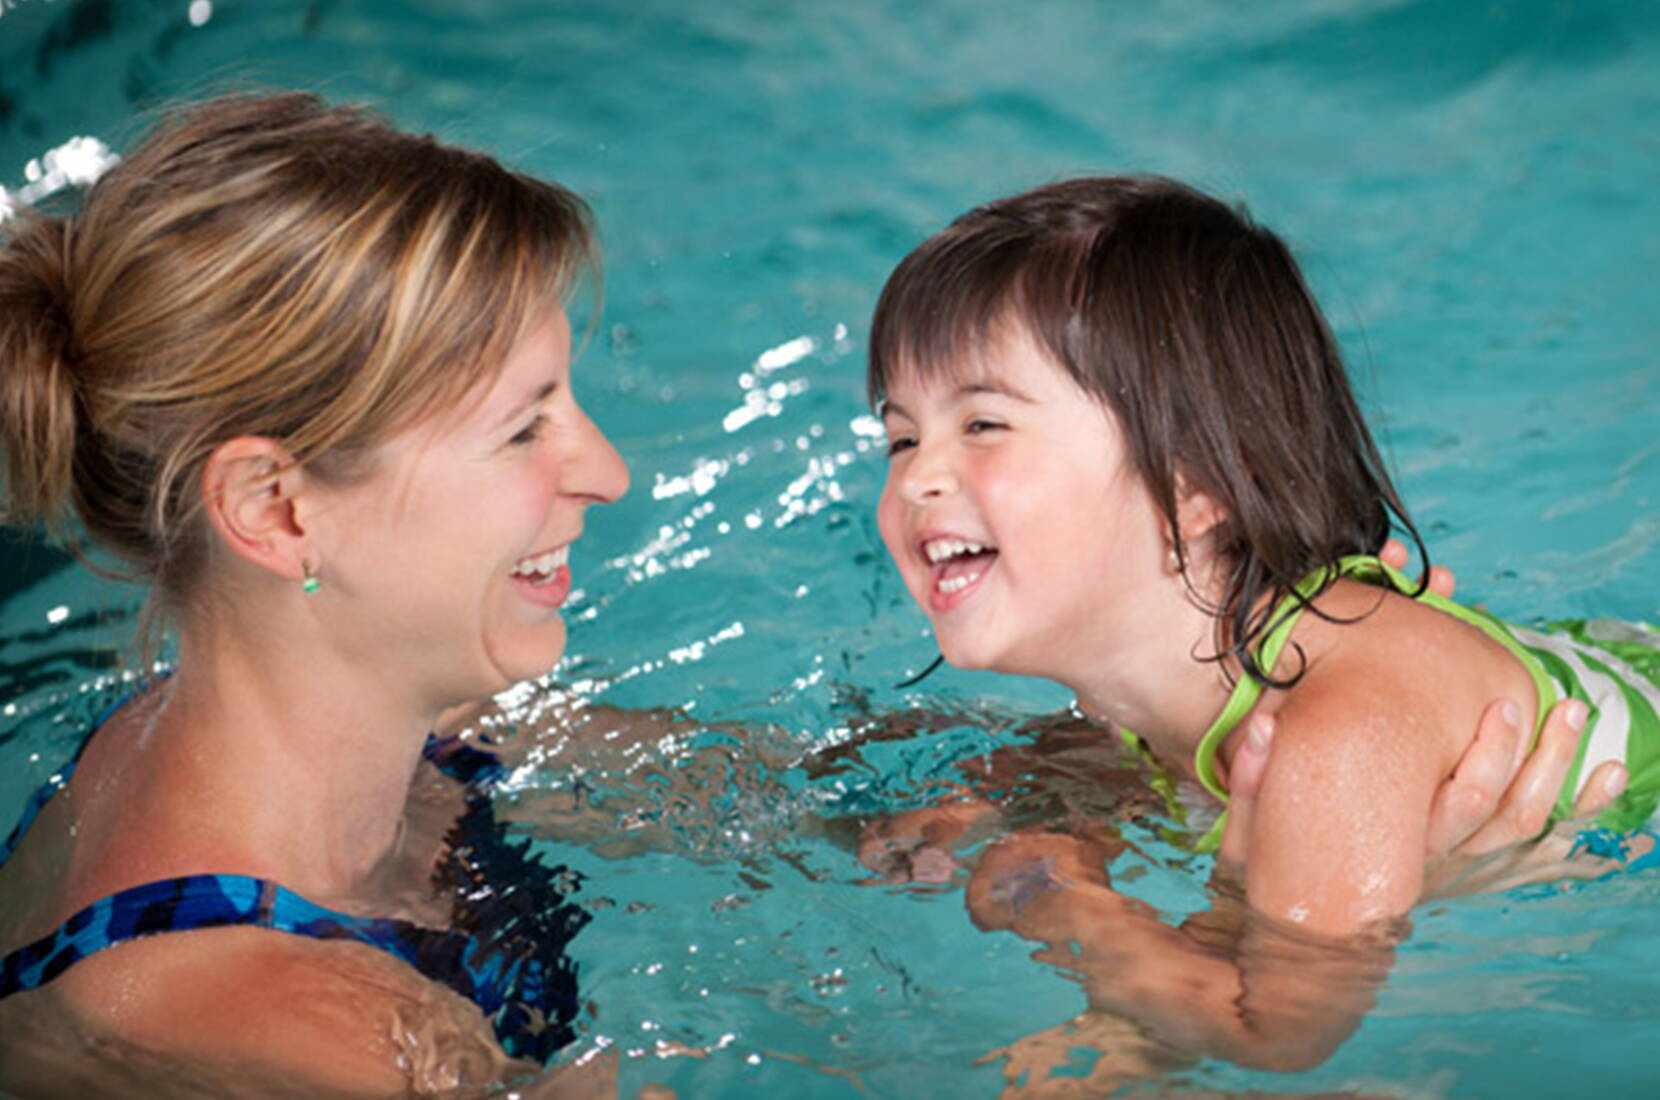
column 1485, row 823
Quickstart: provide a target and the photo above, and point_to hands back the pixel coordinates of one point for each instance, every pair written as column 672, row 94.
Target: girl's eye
column 975, row 427
column 897, row 443
column 530, row 433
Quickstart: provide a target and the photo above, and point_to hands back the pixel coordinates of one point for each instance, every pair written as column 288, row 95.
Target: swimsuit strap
column 1368, row 569
column 37, row 802
column 513, row 966
column 517, row 992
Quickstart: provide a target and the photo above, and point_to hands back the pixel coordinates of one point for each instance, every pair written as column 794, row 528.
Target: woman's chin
column 528, row 658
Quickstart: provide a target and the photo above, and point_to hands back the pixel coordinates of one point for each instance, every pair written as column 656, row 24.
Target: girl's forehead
column 1008, row 363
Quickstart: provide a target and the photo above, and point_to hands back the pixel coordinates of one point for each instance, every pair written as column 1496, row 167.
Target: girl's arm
column 1335, row 858
column 1485, row 821
column 1227, row 984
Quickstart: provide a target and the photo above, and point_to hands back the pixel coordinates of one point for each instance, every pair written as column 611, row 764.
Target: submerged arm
column 1335, row 848
column 1229, row 983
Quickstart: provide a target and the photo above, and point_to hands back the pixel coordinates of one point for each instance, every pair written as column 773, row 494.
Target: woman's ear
column 250, row 488
column 1197, row 512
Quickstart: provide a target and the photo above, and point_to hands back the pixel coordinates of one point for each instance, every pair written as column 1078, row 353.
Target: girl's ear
column 1197, row 512
column 250, row 489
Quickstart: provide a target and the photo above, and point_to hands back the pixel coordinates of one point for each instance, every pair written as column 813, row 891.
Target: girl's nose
column 927, row 476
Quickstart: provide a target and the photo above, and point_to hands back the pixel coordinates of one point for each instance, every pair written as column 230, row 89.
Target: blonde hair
column 266, row 266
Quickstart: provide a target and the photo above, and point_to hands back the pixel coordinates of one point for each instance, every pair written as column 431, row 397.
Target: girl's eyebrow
column 992, row 386
column 967, row 389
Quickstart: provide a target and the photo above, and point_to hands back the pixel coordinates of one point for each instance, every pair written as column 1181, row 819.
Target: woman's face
column 449, row 562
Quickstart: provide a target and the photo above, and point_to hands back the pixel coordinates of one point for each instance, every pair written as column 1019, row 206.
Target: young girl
column 1125, row 457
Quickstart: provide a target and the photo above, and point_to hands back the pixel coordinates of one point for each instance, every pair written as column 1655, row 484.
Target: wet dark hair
column 1193, row 325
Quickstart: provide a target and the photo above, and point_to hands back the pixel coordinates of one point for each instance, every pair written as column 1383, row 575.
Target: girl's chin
column 966, row 654
column 976, row 655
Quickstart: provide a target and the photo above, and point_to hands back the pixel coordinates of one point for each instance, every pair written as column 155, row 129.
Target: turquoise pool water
column 1475, row 190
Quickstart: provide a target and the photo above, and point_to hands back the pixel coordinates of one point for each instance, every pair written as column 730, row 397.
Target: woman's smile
column 544, row 578
column 483, row 509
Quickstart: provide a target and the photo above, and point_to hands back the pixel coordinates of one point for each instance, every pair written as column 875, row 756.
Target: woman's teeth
column 542, row 566
column 957, row 584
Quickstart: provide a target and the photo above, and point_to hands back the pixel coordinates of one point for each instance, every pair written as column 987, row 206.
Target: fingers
column 1441, row 580
column 1466, row 801
column 1244, row 784
column 1527, row 805
column 1606, row 784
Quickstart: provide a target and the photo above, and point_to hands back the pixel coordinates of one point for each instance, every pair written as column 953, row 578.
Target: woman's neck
column 300, row 761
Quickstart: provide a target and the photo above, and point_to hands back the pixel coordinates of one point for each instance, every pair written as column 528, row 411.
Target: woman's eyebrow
column 541, row 395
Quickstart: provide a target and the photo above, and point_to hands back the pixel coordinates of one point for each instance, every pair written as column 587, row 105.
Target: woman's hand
column 1484, row 829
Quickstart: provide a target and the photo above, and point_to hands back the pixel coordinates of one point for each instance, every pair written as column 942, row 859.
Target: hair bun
column 37, row 384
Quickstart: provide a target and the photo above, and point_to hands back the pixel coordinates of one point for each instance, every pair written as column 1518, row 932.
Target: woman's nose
column 596, row 470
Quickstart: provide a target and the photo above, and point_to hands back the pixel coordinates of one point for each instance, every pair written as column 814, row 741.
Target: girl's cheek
column 887, row 522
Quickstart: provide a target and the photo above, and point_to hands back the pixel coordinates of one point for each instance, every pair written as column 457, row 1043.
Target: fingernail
column 1512, row 713
column 1258, row 736
column 1614, row 782
column 1575, row 713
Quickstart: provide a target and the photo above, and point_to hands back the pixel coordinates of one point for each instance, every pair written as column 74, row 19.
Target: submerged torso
column 457, row 903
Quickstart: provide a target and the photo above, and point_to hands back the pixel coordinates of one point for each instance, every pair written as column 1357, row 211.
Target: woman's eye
column 975, row 427
column 897, row 443
column 530, row 433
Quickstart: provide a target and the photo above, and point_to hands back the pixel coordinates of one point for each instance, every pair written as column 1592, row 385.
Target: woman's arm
column 242, row 1011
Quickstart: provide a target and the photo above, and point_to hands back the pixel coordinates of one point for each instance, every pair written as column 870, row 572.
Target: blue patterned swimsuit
column 506, row 952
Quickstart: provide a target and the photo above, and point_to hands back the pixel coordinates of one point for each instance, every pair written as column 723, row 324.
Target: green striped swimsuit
column 1614, row 667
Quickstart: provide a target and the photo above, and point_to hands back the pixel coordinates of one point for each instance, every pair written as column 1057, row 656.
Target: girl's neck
column 1159, row 685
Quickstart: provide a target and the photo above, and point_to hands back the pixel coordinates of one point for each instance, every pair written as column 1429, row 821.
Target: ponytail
column 37, row 384
column 258, row 266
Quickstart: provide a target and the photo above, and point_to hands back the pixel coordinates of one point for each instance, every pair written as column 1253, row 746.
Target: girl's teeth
column 957, row 584
column 940, row 549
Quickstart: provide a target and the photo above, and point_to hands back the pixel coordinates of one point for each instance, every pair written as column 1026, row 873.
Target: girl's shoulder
column 1396, row 662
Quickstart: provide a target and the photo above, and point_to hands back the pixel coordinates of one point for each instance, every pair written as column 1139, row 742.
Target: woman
column 309, row 378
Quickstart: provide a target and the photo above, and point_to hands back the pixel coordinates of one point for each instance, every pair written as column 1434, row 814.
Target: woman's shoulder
column 326, row 1018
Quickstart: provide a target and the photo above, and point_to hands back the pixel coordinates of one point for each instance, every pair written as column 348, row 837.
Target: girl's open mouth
column 957, row 565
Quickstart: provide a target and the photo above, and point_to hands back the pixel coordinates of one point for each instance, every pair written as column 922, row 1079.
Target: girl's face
column 449, row 562
column 1015, row 516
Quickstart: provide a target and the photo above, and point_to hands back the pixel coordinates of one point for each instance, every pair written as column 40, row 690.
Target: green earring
column 310, row 583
